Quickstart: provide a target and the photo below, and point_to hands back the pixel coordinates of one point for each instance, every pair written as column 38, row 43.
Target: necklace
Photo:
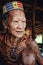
column 14, row 51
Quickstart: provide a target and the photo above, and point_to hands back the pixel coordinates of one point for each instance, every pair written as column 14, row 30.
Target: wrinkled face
column 16, row 23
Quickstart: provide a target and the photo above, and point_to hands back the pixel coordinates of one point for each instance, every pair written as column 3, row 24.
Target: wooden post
column 33, row 20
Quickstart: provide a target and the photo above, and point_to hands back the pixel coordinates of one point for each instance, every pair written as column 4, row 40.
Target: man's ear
column 4, row 23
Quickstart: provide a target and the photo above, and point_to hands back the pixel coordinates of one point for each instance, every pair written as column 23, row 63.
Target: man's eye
column 24, row 21
column 15, row 21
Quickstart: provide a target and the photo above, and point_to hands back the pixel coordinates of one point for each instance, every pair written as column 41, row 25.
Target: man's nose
column 20, row 24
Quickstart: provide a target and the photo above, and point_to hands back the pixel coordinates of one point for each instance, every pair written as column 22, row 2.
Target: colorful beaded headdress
column 12, row 5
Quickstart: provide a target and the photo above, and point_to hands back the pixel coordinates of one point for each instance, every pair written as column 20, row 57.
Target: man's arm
column 35, row 49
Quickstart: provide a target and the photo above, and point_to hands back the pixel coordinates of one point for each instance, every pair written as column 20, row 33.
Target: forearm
column 39, row 59
column 34, row 47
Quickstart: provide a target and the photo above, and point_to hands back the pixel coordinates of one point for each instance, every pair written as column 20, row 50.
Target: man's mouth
column 19, row 32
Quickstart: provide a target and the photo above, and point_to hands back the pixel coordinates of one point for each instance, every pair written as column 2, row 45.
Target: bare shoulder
column 33, row 45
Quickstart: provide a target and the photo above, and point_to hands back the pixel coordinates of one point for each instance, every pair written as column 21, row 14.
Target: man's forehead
column 19, row 18
column 16, row 12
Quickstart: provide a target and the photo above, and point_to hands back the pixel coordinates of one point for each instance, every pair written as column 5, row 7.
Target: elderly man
column 15, row 47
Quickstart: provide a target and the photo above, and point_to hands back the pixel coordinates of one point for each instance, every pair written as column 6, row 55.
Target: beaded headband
column 12, row 6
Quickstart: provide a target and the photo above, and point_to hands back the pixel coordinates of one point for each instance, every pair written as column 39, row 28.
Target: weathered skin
column 25, row 46
column 29, row 53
